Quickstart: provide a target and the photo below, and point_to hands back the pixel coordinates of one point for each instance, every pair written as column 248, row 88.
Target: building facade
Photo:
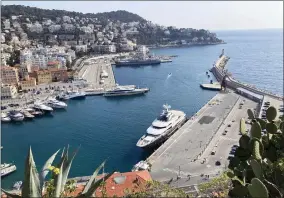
column 58, row 75
column 28, row 83
column 8, row 91
column 43, row 76
column 9, row 75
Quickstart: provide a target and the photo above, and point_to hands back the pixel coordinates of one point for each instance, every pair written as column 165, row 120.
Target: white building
column 40, row 60
column 8, row 91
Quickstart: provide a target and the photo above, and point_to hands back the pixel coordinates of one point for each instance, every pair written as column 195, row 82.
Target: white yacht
column 162, row 127
column 56, row 104
column 5, row 117
column 42, row 107
column 7, row 170
column 16, row 115
column 27, row 114
column 74, row 95
column 125, row 90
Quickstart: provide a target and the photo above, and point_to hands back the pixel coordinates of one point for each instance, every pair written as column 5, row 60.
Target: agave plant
column 254, row 170
column 33, row 184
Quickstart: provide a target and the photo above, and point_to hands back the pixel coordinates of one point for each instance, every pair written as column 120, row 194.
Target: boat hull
column 5, row 119
column 138, row 63
column 163, row 137
column 126, row 93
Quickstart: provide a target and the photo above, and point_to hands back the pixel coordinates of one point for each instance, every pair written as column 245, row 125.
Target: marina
column 96, row 122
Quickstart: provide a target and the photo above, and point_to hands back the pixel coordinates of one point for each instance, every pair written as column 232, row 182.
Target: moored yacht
column 27, row 114
column 74, row 95
column 5, row 117
column 56, row 104
column 7, row 170
column 42, row 107
column 16, row 115
column 34, row 112
column 162, row 127
column 125, row 90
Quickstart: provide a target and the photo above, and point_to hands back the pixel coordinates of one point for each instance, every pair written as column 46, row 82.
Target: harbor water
column 108, row 128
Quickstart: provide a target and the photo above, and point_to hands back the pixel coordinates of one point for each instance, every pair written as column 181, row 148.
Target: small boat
column 169, row 74
column 208, row 76
column 73, row 95
column 17, row 185
column 5, row 117
column 16, row 115
column 8, row 170
column 34, row 112
column 56, row 104
column 142, row 165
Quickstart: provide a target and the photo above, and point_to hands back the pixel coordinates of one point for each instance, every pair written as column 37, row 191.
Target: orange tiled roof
column 134, row 182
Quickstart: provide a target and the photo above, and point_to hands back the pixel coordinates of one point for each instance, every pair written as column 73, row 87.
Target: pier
column 207, row 137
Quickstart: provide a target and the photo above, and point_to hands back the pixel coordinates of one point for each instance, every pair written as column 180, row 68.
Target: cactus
column 244, row 142
column 271, row 128
column 281, row 127
column 257, row 170
column 257, row 189
column 243, row 127
column 33, row 185
column 256, row 148
column 273, row 189
column 239, row 191
column 243, row 154
column 255, row 130
column 271, row 113
column 261, row 122
column 250, row 114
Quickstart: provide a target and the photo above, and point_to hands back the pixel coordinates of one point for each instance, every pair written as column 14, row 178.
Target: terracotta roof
column 129, row 181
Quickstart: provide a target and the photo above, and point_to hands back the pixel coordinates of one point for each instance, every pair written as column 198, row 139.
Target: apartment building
column 8, row 91
column 43, row 76
column 28, row 83
column 9, row 75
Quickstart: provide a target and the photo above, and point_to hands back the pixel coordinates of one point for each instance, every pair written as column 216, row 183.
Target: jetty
column 208, row 136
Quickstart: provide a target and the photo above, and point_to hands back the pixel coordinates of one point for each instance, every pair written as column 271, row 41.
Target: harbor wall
column 234, row 84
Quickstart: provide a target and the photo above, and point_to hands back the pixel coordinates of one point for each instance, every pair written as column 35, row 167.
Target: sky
column 211, row 15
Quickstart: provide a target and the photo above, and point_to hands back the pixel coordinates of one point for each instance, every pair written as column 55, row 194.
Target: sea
column 108, row 128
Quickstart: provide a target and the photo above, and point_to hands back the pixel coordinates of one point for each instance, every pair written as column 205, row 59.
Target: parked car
column 218, row 163
column 3, row 107
column 229, row 125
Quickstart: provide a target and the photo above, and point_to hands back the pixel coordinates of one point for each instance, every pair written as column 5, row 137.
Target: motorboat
column 5, row 165
column 125, row 90
column 162, row 127
column 56, row 104
column 5, row 117
column 17, row 185
column 34, row 112
column 42, row 107
column 27, row 114
column 169, row 74
column 16, row 115
column 8, row 170
column 73, row 95
column 142, row 165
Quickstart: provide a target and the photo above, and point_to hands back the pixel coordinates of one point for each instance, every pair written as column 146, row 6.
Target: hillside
column 39, row 14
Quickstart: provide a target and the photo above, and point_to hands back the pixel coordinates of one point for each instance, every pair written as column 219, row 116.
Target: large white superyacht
column 162, row 127
column 125, row 90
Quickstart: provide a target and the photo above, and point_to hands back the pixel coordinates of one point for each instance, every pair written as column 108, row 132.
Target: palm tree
column 34, row 184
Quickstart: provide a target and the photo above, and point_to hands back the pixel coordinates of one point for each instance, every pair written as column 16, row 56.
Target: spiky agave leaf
column 31, row 184
column 95, row 185
column 67, row 165
column 91, row 180
column 45, row 170
column 58, row 181
column 10, row 194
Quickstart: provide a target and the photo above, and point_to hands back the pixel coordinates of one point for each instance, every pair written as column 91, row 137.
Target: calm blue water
column 110, row 127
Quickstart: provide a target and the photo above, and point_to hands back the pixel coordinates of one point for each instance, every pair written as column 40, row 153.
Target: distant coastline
column 156, row 46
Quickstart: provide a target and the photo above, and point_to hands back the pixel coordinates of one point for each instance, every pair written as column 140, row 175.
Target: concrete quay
column 184, row 152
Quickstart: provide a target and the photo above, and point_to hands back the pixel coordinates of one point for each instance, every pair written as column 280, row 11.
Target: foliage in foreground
column 257, row 169
column 216, row 187
column 34, row 184
column 157, row 189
